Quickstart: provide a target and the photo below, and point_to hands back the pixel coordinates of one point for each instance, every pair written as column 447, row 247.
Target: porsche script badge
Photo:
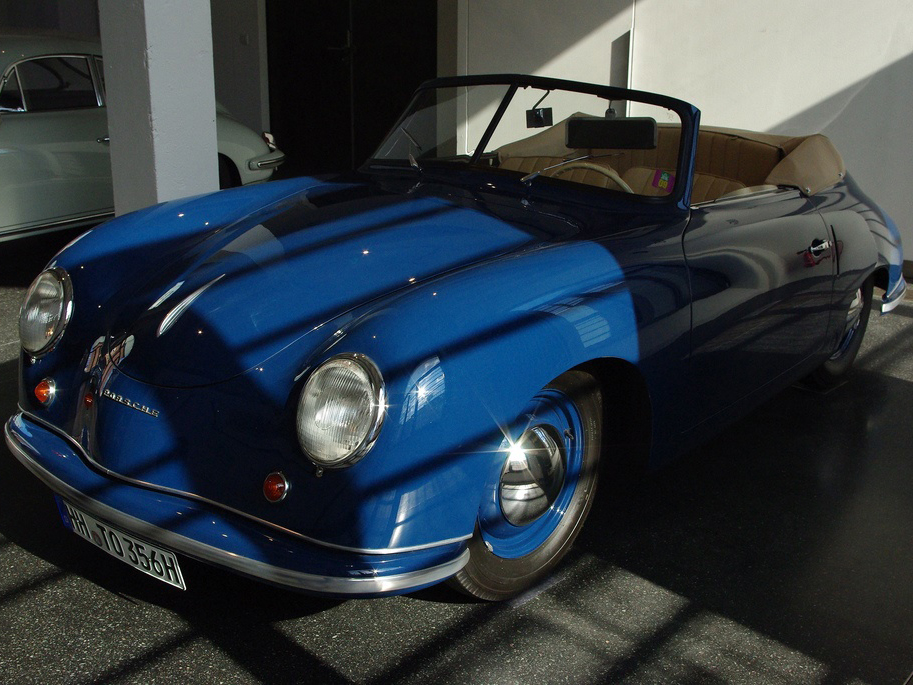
column 130, row 403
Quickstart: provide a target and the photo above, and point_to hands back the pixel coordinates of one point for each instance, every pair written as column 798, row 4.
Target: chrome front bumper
column 219, row 537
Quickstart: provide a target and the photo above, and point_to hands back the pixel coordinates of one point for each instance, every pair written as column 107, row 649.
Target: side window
column 50, row 83
column 10, row 96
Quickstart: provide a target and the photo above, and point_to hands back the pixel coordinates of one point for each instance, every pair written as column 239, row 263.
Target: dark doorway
column 340, row 71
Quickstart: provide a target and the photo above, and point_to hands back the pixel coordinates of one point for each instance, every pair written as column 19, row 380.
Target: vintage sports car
column 419, row 372
column 55, row 166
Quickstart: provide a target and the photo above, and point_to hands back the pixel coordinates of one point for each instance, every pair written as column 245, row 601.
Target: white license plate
column 148, row 558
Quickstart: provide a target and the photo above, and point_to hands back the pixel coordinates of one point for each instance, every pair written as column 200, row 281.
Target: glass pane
column 51, row 83
column 10, row 97
column 583, row 138
column 542, row 136
column 443, row 124
column 99, row 66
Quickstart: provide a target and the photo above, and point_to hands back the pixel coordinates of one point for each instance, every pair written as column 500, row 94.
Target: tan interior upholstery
column 640, row 178
column 591, row 174
column 739, row 192
column 663, row 156
column 587, row 172
column 811, row 164
column 735, row 157
column 705, row 187
column 547, row 143
column 527, row 165
column 727, row 160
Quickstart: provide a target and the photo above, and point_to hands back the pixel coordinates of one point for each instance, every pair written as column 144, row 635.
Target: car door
column 762, row 269
column 54, row 159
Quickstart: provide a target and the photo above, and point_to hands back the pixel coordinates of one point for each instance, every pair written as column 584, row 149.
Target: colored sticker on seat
column 663, row 180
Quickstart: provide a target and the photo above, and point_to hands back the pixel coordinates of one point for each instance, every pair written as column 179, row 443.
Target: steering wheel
column 608, row 172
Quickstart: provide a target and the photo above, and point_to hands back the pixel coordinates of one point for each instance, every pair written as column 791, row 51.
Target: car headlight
column 46, row 310
column 341, row 410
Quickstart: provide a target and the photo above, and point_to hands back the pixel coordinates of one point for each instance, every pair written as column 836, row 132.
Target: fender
column 454, row 390
column 867, row 240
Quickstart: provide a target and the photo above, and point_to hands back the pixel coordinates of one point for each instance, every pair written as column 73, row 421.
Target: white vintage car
column 55, row 168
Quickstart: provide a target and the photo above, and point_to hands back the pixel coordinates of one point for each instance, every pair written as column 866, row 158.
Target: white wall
column 841, row 67
column 239, row 58
column 540, row 37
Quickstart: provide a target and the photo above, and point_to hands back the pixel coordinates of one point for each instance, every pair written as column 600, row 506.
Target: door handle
column 818, row 247
column 104, row 141
column 814, row 254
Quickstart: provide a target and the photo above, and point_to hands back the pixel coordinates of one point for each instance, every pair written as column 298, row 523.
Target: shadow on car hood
column 254, row 288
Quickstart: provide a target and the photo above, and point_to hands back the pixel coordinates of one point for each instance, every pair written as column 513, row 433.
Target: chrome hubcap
column 532, row 475
column 853, row 317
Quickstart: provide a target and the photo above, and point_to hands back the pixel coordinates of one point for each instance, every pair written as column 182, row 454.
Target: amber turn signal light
column 45, row 391
column 275, row 487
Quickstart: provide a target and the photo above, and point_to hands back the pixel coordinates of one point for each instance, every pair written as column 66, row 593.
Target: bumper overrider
column 894, row 297
column 217, row 536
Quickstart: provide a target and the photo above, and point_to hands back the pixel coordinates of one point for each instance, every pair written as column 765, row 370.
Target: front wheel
column 540, row 493
column 832, row 371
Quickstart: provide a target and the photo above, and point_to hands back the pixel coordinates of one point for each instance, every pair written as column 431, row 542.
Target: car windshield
column 540, row 135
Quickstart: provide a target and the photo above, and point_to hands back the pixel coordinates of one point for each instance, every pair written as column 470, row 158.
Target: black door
column 762, row 272
column 340, row 71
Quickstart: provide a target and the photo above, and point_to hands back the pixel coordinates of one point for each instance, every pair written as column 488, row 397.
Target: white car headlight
column 341, row 410
column 46, row 310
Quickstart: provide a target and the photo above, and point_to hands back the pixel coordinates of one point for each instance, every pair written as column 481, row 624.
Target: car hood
column 253, row 287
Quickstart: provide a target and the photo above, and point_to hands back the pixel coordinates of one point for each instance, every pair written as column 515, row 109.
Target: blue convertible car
column 420, row 371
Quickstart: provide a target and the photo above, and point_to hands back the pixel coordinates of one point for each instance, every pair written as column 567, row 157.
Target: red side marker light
column 45, row 391
column 275, row 487
column 88, row 400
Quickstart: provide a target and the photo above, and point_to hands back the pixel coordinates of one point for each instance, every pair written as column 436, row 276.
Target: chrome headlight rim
column 66, row 310
column 378, row 395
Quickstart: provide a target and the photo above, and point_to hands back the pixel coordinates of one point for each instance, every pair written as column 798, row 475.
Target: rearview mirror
column 634, row 133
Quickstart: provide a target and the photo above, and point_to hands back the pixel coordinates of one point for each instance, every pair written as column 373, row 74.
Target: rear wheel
column 540, row 494
column 856, row 318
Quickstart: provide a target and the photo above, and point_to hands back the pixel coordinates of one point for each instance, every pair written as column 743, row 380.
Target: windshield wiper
column 414, row 164
column 529, row 177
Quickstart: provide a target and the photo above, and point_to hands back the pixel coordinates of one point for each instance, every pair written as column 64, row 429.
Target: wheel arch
column 232, row 171
column 627, row 416
column 881, row 277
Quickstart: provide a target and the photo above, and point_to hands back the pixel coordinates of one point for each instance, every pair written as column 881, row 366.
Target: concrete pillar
column 161, row 102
